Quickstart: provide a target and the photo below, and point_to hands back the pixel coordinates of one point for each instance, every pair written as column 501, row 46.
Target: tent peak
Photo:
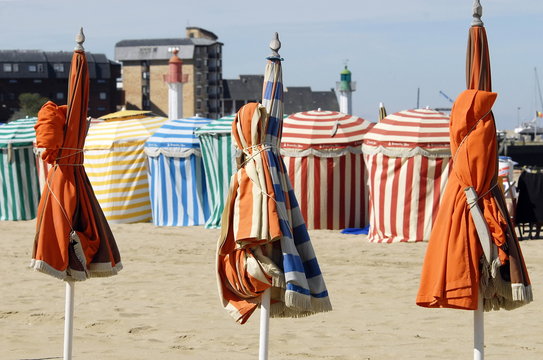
column 275, row 45
column 80, row 39
column 477, row 13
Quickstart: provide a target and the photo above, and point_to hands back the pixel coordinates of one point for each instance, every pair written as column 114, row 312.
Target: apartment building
column 145, row 63
column 46, row 73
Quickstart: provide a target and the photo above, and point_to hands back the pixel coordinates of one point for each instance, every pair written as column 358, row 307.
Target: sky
column 393, row 47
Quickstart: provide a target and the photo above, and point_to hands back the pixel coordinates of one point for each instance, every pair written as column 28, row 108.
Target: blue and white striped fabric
column 305, row 291
column 176, row 174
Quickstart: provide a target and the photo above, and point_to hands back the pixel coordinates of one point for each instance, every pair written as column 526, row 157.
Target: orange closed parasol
column 73, row 239
column 473, row 260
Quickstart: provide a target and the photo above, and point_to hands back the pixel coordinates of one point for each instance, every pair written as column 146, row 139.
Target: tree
column 30, row 104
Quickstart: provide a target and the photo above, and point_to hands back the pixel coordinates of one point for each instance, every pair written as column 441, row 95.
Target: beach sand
column 164, row 305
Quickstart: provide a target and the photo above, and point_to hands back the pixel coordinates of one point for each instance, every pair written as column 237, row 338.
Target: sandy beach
column 164, row 305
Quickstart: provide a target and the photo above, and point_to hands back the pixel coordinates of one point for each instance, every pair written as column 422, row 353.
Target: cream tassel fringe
column 498, row 293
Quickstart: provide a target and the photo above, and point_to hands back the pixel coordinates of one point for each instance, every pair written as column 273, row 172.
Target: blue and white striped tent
column 176, row 174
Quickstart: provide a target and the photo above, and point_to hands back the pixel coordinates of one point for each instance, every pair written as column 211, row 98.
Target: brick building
column 46, row 73
column 145, row 62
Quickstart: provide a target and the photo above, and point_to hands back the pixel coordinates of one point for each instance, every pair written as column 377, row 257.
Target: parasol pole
column 479, row 331
column 69, row 320
column 70, row 284
column 275, row 45
column 478, row 315
column 264, row 325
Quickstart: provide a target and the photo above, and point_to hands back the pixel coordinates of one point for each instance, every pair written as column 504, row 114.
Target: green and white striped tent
column 219, row 164
column 19, row 188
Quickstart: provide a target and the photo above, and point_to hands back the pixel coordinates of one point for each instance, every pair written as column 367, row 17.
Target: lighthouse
column 345, row 88
column 175, row 80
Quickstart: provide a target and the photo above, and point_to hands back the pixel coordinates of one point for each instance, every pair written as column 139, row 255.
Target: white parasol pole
column 69, row 320
column 264, row 325
column 479, row 331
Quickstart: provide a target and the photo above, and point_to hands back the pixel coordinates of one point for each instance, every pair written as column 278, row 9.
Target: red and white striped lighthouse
column 175, row 79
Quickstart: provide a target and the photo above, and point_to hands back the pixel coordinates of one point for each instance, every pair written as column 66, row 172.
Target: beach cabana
column 323, row 157
column 19, row 189
column 408, row 159
column 219, row 164
column 177, row 185
column 116, row 164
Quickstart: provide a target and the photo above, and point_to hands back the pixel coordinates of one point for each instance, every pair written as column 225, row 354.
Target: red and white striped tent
column 408, row 159
column 323, row 157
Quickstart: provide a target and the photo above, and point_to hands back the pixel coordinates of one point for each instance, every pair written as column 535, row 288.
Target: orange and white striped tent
column 408, row 159
column 323, row 156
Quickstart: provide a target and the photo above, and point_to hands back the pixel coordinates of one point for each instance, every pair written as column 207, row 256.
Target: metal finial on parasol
column 275, row 45
column 477, row 13
column 80, row 39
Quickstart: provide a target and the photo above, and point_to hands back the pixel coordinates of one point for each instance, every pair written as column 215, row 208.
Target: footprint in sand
column 140, row 330
column 5, row 314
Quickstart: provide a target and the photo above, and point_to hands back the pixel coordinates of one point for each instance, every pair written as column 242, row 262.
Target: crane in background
column 446, row 97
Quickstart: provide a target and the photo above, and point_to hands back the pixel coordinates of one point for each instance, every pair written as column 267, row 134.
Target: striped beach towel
column 264, row 241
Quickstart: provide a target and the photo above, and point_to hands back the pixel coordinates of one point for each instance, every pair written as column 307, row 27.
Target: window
column 32, row 68
column 58, row 67
column 103, row 95
column 40, row 67
column 60, row 95
column 198, row 104
column 15, row 67
column 8, row 68
column 198, row 91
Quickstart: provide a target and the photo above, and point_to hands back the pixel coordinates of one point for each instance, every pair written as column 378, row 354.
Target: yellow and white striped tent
column 116, row 164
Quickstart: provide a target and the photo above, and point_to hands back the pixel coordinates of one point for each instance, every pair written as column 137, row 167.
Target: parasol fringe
column 42, row 266
column 104, row 269
column 501, row 294
column 279, row 310
column 76, row 275
column 522, row 293
column 296, row 300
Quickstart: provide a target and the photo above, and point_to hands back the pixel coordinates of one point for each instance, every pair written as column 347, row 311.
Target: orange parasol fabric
column 473, row 247
column 73, row 239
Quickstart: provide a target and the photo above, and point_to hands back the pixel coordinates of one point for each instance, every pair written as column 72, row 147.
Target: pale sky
column 393, row 47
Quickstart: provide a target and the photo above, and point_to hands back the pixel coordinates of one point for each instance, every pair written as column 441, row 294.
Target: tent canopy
column 108, row 134
column 321, row 132
column 131, row 114
column 219, row 126
column 18, row 133
column 423, row 129
column 176, row 138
